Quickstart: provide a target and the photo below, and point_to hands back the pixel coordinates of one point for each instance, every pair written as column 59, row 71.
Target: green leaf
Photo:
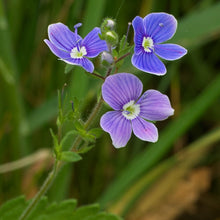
column 57, row 146
column 70, row 156
column 85, row 149
column 12, row 208
column 96, row 132
column 123, row 43
column 114, row 53
column 46, row 211
column 68, row 138
column 79, row 126
column 105, row 216
column 86, row 211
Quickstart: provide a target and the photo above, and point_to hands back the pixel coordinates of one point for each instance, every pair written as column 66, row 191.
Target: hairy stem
column 57, row 166
column 122, row 57
column 47, row 183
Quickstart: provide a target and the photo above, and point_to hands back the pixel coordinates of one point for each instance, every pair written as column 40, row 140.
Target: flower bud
column 111, row 37
column 107, row 25
column 106, row 59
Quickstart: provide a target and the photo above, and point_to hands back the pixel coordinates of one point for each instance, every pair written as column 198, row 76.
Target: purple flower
column 149, row 33
column 132, row 112
column 71, row 48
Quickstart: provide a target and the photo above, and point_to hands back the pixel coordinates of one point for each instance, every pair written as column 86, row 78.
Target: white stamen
column 78, row 54
column 148, row 44
column 131, row 110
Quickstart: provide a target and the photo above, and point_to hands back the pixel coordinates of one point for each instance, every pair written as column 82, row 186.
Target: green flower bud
column 108, row 25
column 106, row 59
column 111, row 37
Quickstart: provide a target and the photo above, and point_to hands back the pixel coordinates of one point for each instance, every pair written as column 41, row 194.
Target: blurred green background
column 176, row 178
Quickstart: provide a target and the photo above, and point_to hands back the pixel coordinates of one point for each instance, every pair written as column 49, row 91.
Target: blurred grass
column 30, row 76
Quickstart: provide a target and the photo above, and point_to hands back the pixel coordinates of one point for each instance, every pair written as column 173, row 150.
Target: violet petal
column 139, row 33
column 170, row 51
column 83, row 62
column 144, row 130
column 148, row 62
column 62, row 37
column 117, row 126
column 119, row 89
column 160, row 26
column 93, row 44
column 59, row 53
column 155, row 106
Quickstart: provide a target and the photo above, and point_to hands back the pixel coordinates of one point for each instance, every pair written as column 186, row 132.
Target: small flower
column 71, row 48
column 132, row 112
column 149, row 33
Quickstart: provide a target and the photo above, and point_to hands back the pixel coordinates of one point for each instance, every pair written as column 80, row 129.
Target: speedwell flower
column 149, row 33
column 132, row 112
column 71, row 48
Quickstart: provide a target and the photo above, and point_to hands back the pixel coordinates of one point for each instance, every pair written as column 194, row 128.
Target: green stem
column 41, row 192
column 122, row 57
column 47, row 183
column 98, row 76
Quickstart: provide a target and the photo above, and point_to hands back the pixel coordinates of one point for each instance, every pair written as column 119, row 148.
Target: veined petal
column 121, row 88
column 117, row 126
column 169, row 51
column 144, row 130
column 148, row 62
column 93, row 44
column 139, row 33
column 62, row 37
column 160, row 26
column 155, row 106
column 83, row 62
column 59, row 53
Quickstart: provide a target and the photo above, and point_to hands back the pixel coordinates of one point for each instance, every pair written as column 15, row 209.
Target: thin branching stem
column 122, row 57
column 58, row 164
column 98, row 76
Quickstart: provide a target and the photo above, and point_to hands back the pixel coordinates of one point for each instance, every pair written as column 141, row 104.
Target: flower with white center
column 71, row 48
column 149, row 33
column 132, row 111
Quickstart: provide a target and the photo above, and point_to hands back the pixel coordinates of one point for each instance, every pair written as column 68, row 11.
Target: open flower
column 71, row 48
column 149, row 33
column 122, row 92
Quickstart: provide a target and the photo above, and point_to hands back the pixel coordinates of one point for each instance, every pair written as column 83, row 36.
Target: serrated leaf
column 39, row 209
column 45, row 211
column 13, row 208
column 85, row 211
column 68, row 68
column 104, row 216
column 70, row 156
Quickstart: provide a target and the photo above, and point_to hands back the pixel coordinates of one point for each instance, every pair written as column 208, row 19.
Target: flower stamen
column 148, row 44
column 131, row 110
column 78, row 53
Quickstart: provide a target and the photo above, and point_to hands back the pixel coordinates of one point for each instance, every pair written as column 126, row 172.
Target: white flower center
column 131, row 110
column 148, row 44
column 78, row 54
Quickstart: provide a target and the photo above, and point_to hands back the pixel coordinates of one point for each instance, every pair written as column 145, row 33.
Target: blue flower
column 149, row 33
column 71, row 48
column 131, row 110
